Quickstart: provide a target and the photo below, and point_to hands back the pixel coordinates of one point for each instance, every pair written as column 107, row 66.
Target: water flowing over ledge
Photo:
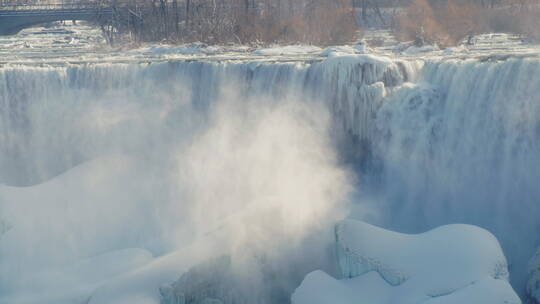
column 36, row 101
column 433, row 142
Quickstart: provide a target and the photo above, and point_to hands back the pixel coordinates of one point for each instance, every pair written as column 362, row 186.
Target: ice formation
column 449, row 264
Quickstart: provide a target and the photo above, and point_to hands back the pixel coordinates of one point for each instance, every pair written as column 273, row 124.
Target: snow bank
column 69, row 235
column 450, row 264
column 399, row 257
column 186, row 49
column 320, row 288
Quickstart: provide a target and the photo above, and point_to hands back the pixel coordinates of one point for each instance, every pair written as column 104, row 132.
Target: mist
column 154, row 172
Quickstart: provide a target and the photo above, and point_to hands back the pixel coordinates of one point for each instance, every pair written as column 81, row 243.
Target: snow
column 75, row 281
column 61, row 253
column 338, row 51
column 320, row 288
column 288, row 50
column 455, row 50
column 343, row 50
column 278, row 50
column 187, row 49
column 81, row 246
column 420, row 49
column 142, row 285
column 82, row 43
column 362, row 48
column 450, row 264
column 363, row 247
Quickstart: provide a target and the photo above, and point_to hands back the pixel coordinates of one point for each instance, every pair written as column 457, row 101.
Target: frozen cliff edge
column 449, row 264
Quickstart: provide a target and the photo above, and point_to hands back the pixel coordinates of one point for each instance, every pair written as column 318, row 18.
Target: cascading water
column 432, row 143
column 463, row 146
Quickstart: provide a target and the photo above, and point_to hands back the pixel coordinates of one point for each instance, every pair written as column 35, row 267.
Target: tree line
column 320, row 22
column 451, row 22
column 327, row 22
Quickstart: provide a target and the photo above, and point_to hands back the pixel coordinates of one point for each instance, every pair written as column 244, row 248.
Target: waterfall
column 56, row 117
column 462, row 145
column 432, row 143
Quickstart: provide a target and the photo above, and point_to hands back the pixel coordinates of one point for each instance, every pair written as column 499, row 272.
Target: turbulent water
column 97, row 158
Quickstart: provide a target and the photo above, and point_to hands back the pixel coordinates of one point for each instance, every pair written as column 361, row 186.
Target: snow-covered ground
column 451, row 264
column 79, row 44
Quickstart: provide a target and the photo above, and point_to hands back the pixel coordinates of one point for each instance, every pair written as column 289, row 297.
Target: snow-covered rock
column 450, row 264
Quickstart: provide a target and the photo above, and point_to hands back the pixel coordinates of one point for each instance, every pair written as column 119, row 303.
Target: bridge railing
column 69, row 5
column 48, row 6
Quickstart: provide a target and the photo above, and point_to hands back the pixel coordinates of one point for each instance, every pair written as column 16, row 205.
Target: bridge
column 14, row 18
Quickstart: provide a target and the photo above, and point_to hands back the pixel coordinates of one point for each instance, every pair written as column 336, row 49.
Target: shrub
column 461, row 20
column 320, row 22
column 450, row 22
column 418, row 23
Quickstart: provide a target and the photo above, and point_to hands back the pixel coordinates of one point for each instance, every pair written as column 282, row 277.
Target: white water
column 463, row 147
column 180, row 146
